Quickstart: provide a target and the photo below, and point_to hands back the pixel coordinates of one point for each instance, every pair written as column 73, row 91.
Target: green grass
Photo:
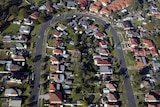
column 150, row 26
column 130, row 61
column 49, row 51
column 12, row 29
column 36, row 29
column 132, row 72
column 137, row 23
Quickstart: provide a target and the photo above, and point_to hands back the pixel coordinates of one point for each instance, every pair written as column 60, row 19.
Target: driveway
column 38, row 52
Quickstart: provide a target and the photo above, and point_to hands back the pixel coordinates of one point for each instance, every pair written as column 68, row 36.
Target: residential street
column 127, row 83
column 38, row 54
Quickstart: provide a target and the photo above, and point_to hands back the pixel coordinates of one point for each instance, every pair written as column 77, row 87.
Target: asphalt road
column 38, row 54
column 123, row 68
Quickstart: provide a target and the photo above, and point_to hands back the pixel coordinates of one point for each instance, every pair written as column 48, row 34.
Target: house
column 71, row 4
column 132, row 33
column 54, row 60
column 91, row 30
column 58, row 77
column 141, row 61
column 12, row 92
column 148, row 44
column 15, row 102
column 105, row 70
column 58, row 51
column 82, row 4
column 94, row 8
column 48, row 7
column 153, row 105
column 56, row 98
column 27, row 21
column 105, row 2
column 99, row 35
column 103, row 44
column 101, row 62
column 84, row 23
column 112, row 97
column 151, row 98
column 105, row 12
column 57, row 34
column 54, row 87
column 146, row 84
column 18, row 58
column 104, row 52
column 61, row 27
column 25, row 29
column 156, row 65
column 57, row 43
column 21, row 46
column 111, row 105
column 111, row 86
column 12, row 67
column 34, row 15
column 54, row 67
column 127, row 25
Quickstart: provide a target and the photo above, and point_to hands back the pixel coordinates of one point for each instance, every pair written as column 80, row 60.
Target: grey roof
column 15, row 102
column 71, row 4
column 106, row 70
column 12, row 92
column 156, row 65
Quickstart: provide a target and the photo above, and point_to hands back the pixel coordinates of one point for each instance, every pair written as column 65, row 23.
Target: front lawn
column 11, row 29
column 36, row 29
column 129, row 58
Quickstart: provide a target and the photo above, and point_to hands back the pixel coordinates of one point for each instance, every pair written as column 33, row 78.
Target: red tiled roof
column 133, row 41
column 98, row 3
column 105, row 1
column 100, row 61
column 56, row 43
column 56, row 33
column 93, row 7
column 82, row 3
column 53, row 58
column 103, row 42
column 99, row 34
column 34, row 15
column 147, row 42
column 59, row 51
column 105, row 11
column 52, row 87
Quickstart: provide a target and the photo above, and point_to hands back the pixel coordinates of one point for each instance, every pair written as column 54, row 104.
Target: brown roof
column 56, row 33
column 111, row 86
column 150, row 97
column 53, row 58
column 99, row 34
column 111, row 96
column 54, row 67
column 59, row 51
column 56, row 98
column 34, row 15
column 100, row 61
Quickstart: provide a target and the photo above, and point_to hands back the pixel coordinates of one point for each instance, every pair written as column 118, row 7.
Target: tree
column 22, row 13
column 13, row 10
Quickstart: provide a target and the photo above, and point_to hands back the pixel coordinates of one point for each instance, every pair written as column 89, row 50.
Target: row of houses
column 60, row 79
column 106, row 7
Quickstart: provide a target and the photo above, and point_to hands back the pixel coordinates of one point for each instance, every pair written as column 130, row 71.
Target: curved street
column 38, row 54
